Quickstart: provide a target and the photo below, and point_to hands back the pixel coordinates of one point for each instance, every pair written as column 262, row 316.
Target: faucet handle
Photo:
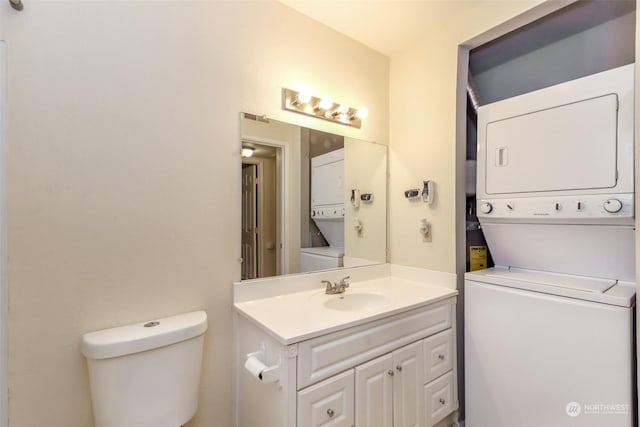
column 343, row 281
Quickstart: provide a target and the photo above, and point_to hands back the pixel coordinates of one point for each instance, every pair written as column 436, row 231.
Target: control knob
column 486, row 207
column 613, row 205
column 313, row 213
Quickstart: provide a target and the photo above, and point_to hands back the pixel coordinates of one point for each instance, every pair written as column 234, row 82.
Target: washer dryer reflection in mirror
column 327, row 212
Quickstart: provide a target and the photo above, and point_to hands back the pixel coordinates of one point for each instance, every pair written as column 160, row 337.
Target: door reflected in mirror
column 310, row 200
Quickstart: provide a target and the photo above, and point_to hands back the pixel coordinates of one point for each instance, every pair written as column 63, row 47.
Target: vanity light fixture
column 322, row 108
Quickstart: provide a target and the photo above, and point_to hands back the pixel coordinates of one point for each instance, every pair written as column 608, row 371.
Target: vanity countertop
column 298, row 316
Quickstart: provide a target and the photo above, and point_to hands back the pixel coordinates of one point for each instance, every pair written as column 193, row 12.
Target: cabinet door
column 408, row 386
column 329, row 403
column 374, row 391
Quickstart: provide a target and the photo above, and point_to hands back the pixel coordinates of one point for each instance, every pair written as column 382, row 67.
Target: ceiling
column 388, row 26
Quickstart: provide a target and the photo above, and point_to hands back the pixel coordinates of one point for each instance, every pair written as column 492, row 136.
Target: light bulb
column 342, row 109
column 325, row 103
column 362, row 113
column 247, row 151
column 304, row 96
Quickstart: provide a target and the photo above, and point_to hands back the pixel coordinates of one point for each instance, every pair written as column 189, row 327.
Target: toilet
column 146, row 374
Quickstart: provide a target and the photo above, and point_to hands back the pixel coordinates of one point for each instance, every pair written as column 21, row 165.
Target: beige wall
column 124, row 172
column 423, row 90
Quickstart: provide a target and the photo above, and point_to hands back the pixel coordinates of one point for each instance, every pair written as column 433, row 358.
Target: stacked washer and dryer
column 327, row 212
column 549, row 331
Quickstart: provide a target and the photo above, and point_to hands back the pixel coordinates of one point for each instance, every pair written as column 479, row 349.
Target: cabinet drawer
column 321, row 357
column 438, row 355
column 329, row 403
column 438, row 399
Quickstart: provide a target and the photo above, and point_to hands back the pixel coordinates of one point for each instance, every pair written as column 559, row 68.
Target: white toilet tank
column 146, row 374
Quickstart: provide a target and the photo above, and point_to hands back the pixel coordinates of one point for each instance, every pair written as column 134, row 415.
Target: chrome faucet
column 336, row 288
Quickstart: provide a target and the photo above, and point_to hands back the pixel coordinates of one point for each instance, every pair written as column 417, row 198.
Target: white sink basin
column 352, row 301
column 294, row 316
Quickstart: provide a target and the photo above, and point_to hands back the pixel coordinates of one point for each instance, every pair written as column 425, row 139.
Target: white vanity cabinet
column 394, row 370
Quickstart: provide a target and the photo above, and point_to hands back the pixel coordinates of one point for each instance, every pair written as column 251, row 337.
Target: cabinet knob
column 441, row 356
column 390, row 372
column 399, row 368
column 442, row 401
column 331, row 413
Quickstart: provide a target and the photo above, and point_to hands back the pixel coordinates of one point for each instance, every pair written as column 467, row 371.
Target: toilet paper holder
column 261, row 371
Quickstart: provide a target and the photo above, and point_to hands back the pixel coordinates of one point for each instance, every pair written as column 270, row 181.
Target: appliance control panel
column 328, row 212
column 561, row 208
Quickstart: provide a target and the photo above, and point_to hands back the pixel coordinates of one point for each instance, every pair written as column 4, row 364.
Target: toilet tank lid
column 143, row 336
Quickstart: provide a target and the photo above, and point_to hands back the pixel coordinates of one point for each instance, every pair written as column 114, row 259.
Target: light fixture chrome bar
column 334, row 113
column 16, row 4
column 263, row 118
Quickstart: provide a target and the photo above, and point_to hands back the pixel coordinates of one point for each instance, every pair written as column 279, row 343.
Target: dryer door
column 327, row 179
column 567, row 147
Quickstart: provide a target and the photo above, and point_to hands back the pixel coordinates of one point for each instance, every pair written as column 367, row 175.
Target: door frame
column 283, row 216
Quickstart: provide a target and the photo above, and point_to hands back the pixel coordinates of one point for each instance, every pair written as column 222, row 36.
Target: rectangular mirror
column 311, row 200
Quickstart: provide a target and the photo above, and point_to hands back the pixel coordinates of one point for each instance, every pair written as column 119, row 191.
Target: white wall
column 124, row 172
